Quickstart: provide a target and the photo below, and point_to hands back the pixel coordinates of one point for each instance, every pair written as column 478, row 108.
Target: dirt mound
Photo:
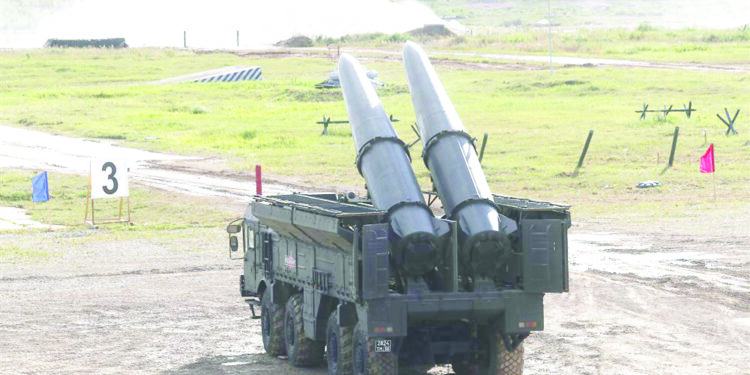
column 295, row 41
column 436, row 30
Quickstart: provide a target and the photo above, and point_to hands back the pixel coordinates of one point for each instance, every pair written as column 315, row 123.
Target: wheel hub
column 289, row 330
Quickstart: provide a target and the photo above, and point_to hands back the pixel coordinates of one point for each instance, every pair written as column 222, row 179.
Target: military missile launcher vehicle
column 371, row 285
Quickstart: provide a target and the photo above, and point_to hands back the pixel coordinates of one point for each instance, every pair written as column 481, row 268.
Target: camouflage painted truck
column 376, row 284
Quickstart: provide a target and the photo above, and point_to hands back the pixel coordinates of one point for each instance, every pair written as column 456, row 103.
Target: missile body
column 450, row 156
column 383, row 161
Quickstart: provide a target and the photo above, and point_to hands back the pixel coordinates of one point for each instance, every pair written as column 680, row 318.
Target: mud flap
column 386, row 317
column 314, row 315
column 524, row 313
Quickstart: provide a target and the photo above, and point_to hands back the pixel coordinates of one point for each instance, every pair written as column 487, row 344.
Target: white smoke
column 214, row 24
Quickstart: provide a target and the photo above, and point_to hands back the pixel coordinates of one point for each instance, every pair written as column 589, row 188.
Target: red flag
column 707, row 160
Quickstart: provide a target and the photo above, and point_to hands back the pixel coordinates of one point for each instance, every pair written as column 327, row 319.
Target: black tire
column 272, row 326
column 502, row 362
column 367, row 361
column 339, row 347
column 510, row 363
column 300, row 351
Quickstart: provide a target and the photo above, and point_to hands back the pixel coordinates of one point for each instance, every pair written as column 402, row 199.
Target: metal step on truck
column 373, row 285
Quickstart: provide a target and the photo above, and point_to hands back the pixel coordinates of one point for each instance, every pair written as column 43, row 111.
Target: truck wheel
column 502, row 362
column 509, row 363
column 301, row 351
column 272, row 325
column 339, row 347
column 367, row 361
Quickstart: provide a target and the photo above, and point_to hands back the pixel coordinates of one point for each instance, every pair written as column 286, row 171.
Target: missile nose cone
column 412, row 53
column 432, row 107
column 415, row 63
column 411, row 50
column 347, row 62
column 348, row 67
column 357, row 89
column 366, row 113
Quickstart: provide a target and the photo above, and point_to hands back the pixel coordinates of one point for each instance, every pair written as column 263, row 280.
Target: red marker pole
column 258, row 184
column 713, row 169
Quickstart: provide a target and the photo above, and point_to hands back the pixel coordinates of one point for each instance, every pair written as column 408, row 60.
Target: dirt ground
column 127, row 307
column 156, row 306
column 652, row 301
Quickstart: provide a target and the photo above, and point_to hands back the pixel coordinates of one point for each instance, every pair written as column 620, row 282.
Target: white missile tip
column 411, row 48
column 349, row 68
column 410, row 44
column 347, row 60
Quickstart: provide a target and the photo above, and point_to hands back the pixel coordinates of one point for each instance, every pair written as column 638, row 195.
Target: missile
column 384, row 162
column 450, row 155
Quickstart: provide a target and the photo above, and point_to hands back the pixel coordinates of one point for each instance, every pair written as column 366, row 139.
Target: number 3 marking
column 111, row 176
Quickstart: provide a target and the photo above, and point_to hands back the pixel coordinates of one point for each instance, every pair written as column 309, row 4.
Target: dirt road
column 653, row 303
column 22, row 148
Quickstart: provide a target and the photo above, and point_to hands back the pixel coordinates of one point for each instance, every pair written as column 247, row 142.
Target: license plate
column 382, row 346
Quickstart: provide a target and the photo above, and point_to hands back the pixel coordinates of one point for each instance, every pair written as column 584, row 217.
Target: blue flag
column 41, row 189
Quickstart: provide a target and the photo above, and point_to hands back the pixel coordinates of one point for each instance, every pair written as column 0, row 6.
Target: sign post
column 108, row 178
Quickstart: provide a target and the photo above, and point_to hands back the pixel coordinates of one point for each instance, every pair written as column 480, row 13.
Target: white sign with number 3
column 109, row 178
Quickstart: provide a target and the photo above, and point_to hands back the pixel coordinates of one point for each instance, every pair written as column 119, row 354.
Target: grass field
column 652, row 30
column 154, row 213
column 536, row 123
column 577, row 14
column 645, row 42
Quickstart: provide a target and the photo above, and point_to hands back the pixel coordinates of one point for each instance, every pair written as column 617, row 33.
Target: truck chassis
column 319, row 268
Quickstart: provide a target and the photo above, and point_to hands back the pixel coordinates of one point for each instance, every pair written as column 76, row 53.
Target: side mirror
column 234, row 243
